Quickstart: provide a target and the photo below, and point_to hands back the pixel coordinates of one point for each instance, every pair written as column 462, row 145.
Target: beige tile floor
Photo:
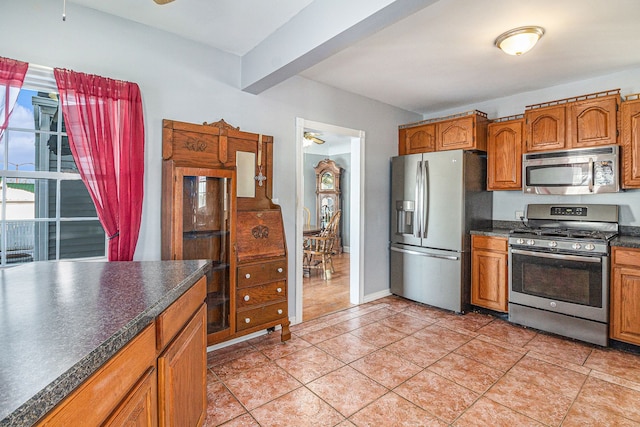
column 397, row 363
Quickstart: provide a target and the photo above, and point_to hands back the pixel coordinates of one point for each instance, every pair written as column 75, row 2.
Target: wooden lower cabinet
column 139, row 408
column 129, row 391
column 489, row 287
column 182, row 372
column 625, row 295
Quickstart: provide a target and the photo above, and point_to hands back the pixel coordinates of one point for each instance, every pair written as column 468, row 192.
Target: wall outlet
column 519, row 214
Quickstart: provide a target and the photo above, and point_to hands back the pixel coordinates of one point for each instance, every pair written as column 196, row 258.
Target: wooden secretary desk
column 216, row 204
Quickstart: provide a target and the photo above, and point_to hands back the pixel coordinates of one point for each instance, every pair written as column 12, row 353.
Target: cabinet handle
column 279, row 290
column 247, row 276
column 279, row 311
column 280, row 270
column 246, row 297
column 247, row 320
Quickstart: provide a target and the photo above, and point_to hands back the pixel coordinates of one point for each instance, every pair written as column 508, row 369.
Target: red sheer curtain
column 12, row 74
column 105, row 126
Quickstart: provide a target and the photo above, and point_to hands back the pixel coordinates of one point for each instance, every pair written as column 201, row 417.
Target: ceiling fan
column 162, row 1
column 310, row 136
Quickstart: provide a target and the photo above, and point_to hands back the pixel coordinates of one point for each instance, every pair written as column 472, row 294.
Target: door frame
column 356, row 224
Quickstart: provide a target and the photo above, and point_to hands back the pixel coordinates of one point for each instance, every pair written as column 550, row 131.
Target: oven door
column 575, row 285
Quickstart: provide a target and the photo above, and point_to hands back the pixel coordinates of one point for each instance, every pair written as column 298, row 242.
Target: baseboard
column 346, row 249
column 243, row 338
column 377, row 295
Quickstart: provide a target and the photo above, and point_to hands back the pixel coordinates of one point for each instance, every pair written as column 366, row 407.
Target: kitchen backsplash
column 507, row 203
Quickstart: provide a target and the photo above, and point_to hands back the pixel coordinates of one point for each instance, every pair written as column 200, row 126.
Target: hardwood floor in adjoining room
column 320, row 297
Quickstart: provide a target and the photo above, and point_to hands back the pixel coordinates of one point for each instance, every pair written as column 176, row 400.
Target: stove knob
column 589, row 246
column 520, row 241
column 576, row 246
column 553, row 244
column 531, row 242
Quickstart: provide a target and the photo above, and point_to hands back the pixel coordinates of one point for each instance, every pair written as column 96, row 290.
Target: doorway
column 352, row 142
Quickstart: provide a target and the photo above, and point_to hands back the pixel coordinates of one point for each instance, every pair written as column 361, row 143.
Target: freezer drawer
column 432, row 277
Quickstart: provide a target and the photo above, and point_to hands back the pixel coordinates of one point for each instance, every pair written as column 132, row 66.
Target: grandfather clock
column 328, row 194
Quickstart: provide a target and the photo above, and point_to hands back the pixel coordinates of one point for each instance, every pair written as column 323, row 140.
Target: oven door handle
column 591, row 175
column 597, row 260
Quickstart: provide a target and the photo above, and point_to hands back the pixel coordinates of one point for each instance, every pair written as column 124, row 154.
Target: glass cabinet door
column 206, row 214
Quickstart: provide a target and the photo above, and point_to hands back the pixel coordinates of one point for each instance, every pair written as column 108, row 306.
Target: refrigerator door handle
column 407, row 251
column 424, row 214
column 418, row 198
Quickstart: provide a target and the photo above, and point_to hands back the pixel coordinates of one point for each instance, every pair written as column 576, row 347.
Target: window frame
column 40, row 79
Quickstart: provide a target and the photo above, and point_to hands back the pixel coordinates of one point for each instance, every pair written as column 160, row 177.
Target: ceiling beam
column 320, row 30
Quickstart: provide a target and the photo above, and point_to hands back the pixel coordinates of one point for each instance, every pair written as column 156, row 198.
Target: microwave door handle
column 591, row 175
column 418, row 209
column 425, row 198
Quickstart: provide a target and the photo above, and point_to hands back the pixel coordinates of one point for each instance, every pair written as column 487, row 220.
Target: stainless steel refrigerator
column 436, row 199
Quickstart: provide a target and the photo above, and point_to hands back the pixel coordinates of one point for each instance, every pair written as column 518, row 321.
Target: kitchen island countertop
column 61, row 321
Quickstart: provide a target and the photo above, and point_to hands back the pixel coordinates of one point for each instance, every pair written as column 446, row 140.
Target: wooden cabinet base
column 625, row 295
column 489, row 287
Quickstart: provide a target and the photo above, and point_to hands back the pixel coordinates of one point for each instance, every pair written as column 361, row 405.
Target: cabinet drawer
column 261, row 294
column 489, row 243
column 96, row 399
column 626, row 257
column 257, row 316
column 255, row 274
column 171, row 321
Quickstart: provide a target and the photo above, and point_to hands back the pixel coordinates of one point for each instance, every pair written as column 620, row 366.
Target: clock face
column 326, row 181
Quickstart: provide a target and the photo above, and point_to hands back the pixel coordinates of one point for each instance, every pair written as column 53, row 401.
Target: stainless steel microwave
column 576, row 171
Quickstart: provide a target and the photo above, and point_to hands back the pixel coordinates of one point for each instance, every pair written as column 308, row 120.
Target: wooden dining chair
column 318, row 250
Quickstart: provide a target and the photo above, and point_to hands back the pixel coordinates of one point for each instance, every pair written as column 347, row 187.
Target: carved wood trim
column 221, row 124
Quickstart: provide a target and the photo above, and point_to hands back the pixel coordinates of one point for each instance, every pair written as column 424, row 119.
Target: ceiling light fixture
column 312, row 137
column 519, row 40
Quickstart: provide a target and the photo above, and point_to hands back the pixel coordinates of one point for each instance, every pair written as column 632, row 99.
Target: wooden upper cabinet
column 467, row 131
column 546, row 128
column 455, row 134
column 583, row 121
column 504, row 154
column 419, row 139
column 630, row 140
column 593, row 122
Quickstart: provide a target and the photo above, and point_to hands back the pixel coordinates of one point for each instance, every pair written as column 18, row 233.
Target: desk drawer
column 261, row 294
column 260, row 315
column 256, row 274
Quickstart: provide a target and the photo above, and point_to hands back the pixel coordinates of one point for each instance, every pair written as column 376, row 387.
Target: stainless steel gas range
column 559, row 270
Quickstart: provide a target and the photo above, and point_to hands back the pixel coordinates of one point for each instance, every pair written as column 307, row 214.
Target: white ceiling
column 420, row 55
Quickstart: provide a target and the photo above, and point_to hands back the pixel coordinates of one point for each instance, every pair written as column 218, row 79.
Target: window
column 46, row 211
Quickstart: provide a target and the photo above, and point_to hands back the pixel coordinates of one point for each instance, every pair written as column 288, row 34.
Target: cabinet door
column 140, row 408
column 419, row 139
column 489, row 276
column 625, row 304
column 504, row 155
column 546, row 128
column 631, row 144
column 593, row 122
column 182, row 376
column 202, row 227
column 455, row 134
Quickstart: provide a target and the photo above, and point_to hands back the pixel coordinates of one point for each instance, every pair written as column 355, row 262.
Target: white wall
column 506, row 203
column 186, row 81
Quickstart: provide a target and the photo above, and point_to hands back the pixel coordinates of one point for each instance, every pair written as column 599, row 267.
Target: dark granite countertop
column 626, row 241
column 60, row 321
column 492, row 232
